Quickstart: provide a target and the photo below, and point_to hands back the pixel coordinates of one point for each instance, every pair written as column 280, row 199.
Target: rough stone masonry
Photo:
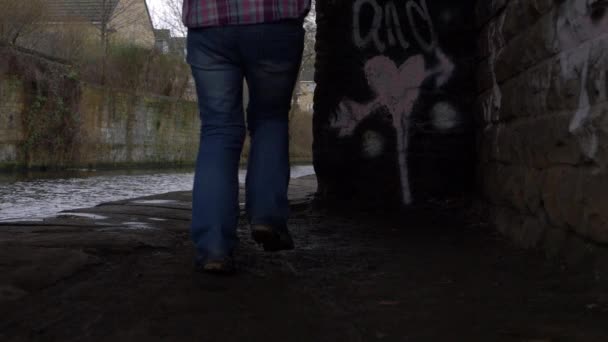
column 413, row 94
column 50, row 119
column 543, row 114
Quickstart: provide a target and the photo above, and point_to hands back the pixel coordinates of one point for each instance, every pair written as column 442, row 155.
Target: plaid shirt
column 204, row 13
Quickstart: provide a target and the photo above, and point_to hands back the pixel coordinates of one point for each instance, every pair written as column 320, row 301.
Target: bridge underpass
column 501, row 100
column 460, row 150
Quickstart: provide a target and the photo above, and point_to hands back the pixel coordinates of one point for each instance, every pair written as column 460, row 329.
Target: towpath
column 122, row 271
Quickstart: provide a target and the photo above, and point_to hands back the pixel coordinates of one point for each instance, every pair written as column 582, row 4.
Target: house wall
column 133, row 24
column 71, row 39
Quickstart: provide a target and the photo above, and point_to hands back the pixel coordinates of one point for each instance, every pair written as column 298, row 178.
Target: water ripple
column 38, row 198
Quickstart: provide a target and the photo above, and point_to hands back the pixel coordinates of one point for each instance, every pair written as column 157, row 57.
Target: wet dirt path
column 427, row 275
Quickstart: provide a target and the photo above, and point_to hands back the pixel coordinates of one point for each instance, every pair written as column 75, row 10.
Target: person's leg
column 272, row 54
column 219, row 82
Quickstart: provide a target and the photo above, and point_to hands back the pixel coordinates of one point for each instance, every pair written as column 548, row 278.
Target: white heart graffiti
column 397, row 89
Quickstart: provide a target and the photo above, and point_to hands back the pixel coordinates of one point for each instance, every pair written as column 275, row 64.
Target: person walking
column 261, row 42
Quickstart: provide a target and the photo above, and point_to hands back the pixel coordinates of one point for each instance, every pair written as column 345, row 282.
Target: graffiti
column 373, row 144
column 387, row 20
column 397, row 89
column 588, row 20
column 391, row 108
column 492, row 105
column 444, row 116
column 581, row 124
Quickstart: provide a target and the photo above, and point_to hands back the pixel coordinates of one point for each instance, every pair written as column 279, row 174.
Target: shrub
column 49, row 118
column 136, row 69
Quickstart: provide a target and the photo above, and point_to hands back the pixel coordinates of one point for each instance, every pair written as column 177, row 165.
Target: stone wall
column 543, row 124
column 48, row 119
column 124, row 128
column 393, row 104
column 11, row 107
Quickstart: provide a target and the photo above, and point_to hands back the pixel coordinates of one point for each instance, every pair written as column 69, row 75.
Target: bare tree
column 171, row 17
column 19, row 18
column 310, row 26
column 308, row 56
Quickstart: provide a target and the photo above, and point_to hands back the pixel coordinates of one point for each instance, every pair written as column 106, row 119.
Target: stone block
column 526, row 50
column 8, row 153
column 521, row 14
column 597, row 76
column 526, row 94
column 565, row 28
column 532, row 232
column 579, row 77
column 507, row 221
column 514, row 186
column 525, row 231
column 567, row 82
column 535, row 142
column 562, row 196
column 486, row 10
column 595, row 190
column 488, row 107
column 554, row 242
column 577, row 199
column 600, row 264
column 577, row 251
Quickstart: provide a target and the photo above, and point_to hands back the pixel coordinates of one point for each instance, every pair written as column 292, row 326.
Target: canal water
column 35, row 196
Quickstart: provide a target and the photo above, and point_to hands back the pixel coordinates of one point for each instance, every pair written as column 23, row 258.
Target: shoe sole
column 219, row 268
column 270, row 241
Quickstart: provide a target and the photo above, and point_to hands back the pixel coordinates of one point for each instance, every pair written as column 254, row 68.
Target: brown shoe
column 271, row 239
column 223, row 266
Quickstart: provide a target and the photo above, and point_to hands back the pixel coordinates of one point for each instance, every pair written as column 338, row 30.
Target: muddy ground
column 434, row 273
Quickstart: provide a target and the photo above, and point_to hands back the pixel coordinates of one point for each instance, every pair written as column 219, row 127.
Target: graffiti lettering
column 372, row 35
column 423, row 11
column 392, row 25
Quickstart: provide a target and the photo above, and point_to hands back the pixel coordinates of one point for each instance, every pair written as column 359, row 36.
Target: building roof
column 81, row 10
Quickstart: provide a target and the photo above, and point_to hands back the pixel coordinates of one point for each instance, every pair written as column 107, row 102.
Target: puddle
column 159, row 201
column 84, row 215
column 22, row 220
column 137, row 225
column 128, row 226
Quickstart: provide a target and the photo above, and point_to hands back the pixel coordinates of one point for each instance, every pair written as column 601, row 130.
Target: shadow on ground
column 123, row 271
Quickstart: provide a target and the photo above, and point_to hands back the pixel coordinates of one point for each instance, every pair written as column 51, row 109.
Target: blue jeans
column 268, row 57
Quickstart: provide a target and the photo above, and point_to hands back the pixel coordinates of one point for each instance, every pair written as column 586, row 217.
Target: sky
column 156, row 7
